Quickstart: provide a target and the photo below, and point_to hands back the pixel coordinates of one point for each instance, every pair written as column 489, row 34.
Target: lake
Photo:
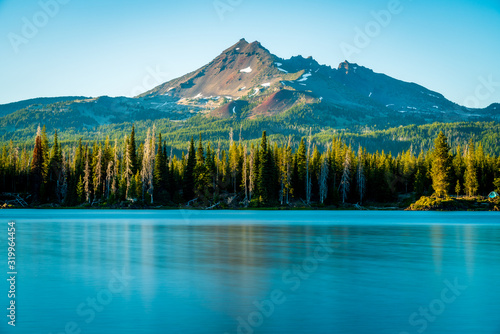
column 104, row 271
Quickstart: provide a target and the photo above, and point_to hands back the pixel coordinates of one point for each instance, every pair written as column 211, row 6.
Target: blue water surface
column 104, row 271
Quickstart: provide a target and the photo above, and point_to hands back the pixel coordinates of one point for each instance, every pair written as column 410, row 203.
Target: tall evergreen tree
column 360, row 175
column 323, row 179
column 201, row 175
column 147, row 170
column 441, row 165
column 132, row 152
column 345, row 182
column 470, row 182
column 188, row 180
column 55, row 170
column 87, row 178
column 265, row 179
column 299, row 184
column 160, row 170
column 37, row 164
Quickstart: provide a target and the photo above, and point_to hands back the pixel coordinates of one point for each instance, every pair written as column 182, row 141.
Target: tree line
column 267, row 174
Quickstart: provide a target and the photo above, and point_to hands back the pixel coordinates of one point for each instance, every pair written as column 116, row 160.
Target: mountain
column 272, row 85
column 247, row 86
column 233, row 73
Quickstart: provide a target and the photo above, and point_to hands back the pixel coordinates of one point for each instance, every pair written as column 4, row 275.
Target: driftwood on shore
column 213, row 206
column 17, row 200
column 359, row 207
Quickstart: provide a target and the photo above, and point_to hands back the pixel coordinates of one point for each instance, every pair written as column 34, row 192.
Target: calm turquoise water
column 253, row 272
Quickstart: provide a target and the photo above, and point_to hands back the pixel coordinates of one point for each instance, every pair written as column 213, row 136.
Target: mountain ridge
column 249, row 70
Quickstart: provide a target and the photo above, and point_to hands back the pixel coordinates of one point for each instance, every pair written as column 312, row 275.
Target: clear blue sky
column 95, row 48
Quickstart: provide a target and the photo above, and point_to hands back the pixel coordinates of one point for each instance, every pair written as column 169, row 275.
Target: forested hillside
column 128, row 170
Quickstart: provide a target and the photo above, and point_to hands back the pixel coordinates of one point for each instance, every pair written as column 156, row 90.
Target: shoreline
column 424, row 203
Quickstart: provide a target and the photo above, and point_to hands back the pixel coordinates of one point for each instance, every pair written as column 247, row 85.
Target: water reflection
column 213, row 273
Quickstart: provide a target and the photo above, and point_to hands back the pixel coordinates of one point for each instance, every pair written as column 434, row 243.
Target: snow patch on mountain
column 304, row 77
column 255, row 92
column 246, row 70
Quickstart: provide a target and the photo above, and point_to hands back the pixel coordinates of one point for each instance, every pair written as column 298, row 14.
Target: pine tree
column 116, row 173
column 441, row 166
column 87, row 177
column 37, row 164
column 80, row 190
column 323, row 180
column 79, row 162
column 361, row 175
column 128, row 174
column 245, row 175
column 253, row 167
column 286, row 172
column 265, row 178
column 458, row 165
column 470, row 182
column 46, row 161
column 201, row 175
column 132, row 153
column 234, row 165
column 308, row 171
column 138, row 191
column 346, row 178
column 160, row 170
column 419, row 184
column 458, row 189
column 300, row 171
column 98, row 174
column 147, row 171
column 54, row 170
column 188, row 181
column 109, row 179
column 211, row 170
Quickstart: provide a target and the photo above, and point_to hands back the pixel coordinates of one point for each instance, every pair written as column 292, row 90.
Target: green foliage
column 441, row 165
column 427, row 203
column 189, row 178
column 285, row 173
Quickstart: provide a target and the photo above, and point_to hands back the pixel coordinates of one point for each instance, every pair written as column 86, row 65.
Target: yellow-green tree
column 441, row 166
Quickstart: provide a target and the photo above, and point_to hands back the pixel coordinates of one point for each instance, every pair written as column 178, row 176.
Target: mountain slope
column 8, row 108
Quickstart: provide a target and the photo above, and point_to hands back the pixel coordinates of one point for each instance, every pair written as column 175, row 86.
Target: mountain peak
column 344, row 66
column 242, row 43
column 242, row 69
column 347, row 67
column 242, row 46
